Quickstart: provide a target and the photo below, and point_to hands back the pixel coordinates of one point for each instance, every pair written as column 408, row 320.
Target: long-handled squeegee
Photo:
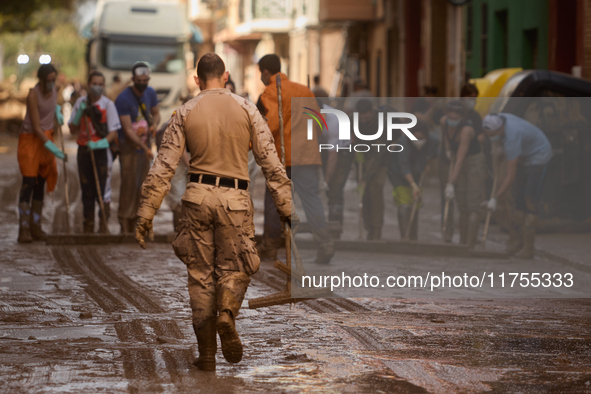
column 284, row 297
column 65, row 172
column 99, row 192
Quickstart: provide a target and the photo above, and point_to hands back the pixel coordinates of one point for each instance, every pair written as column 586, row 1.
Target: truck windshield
column 163, row 58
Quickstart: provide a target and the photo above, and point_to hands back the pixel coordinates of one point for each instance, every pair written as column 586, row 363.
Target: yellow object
column 35, row 160
column 403, row 196
column 490, row 86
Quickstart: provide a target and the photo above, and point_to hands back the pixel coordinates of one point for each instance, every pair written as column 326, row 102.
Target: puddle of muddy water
column 90, row 332
column 20, row 281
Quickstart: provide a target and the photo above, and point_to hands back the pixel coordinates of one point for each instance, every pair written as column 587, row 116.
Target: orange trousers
column 35, row 160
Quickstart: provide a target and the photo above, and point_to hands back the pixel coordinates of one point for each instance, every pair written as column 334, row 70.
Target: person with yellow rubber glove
column 404, row 172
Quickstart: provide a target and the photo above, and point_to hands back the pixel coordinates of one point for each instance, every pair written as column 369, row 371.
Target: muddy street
column 116, row 318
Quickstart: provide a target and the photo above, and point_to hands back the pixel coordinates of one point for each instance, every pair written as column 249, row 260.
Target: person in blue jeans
column 528, row 152
column 302, row 161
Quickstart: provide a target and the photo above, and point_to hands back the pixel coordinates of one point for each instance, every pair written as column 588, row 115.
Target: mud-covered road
column 115, row 318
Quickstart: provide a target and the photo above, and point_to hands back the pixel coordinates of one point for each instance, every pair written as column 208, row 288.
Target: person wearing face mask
column 140, row 116
column 37, row 153
column 404, row 172
column 465, row 183
column 94, row 115
column 528, row 152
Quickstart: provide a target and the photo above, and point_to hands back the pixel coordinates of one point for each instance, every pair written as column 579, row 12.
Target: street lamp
column 22, row 59
column 44, row 59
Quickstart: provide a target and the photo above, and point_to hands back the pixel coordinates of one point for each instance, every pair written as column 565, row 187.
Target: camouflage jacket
column 218, row 128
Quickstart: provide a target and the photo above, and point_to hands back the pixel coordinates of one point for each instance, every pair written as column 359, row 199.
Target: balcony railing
column 271, row 9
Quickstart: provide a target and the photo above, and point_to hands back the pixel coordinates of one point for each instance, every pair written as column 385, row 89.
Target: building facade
column 398, row 47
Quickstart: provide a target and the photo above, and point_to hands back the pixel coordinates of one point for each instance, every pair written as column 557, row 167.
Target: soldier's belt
column 219, row 181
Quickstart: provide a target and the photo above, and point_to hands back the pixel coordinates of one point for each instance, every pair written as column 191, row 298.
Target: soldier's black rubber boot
column 207, row 345
column 231, row 345
column 36, row 211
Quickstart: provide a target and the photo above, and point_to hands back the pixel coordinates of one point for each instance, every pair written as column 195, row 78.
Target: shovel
column 489, row 212
column 96, row 179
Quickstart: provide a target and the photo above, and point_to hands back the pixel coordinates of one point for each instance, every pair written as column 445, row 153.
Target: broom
column 284, row 297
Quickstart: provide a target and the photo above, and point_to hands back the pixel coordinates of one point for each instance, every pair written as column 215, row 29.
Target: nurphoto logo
column 392, row 119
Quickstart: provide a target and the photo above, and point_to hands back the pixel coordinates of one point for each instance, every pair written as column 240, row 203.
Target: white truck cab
column 125, row 32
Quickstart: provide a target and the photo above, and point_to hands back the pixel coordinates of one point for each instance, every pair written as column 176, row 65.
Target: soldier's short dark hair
column 270, row 63
column 210, row 66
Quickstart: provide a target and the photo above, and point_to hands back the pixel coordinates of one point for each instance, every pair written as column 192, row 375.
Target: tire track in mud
column 69, row 265
column 114, row 292
column 126, row 287
column 365, row 336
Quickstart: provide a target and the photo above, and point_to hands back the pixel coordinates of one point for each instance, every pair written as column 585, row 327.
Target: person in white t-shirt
column 96, row 121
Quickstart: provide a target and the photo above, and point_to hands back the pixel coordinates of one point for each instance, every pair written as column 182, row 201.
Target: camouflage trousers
column 216, row 243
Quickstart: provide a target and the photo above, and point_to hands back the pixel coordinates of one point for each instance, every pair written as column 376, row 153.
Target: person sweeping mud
column 216, row 235
column 36, row 152
column 527, row 152
column 96, row 117
column 465, row 183
column 405, row 171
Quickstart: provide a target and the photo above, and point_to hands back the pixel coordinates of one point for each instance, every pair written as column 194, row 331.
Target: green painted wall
column 514, row 28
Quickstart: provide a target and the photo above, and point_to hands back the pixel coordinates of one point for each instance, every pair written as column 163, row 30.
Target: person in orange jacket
column 300, row 161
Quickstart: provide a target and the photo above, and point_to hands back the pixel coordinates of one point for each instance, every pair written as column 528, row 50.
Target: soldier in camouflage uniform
column 216, row 235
